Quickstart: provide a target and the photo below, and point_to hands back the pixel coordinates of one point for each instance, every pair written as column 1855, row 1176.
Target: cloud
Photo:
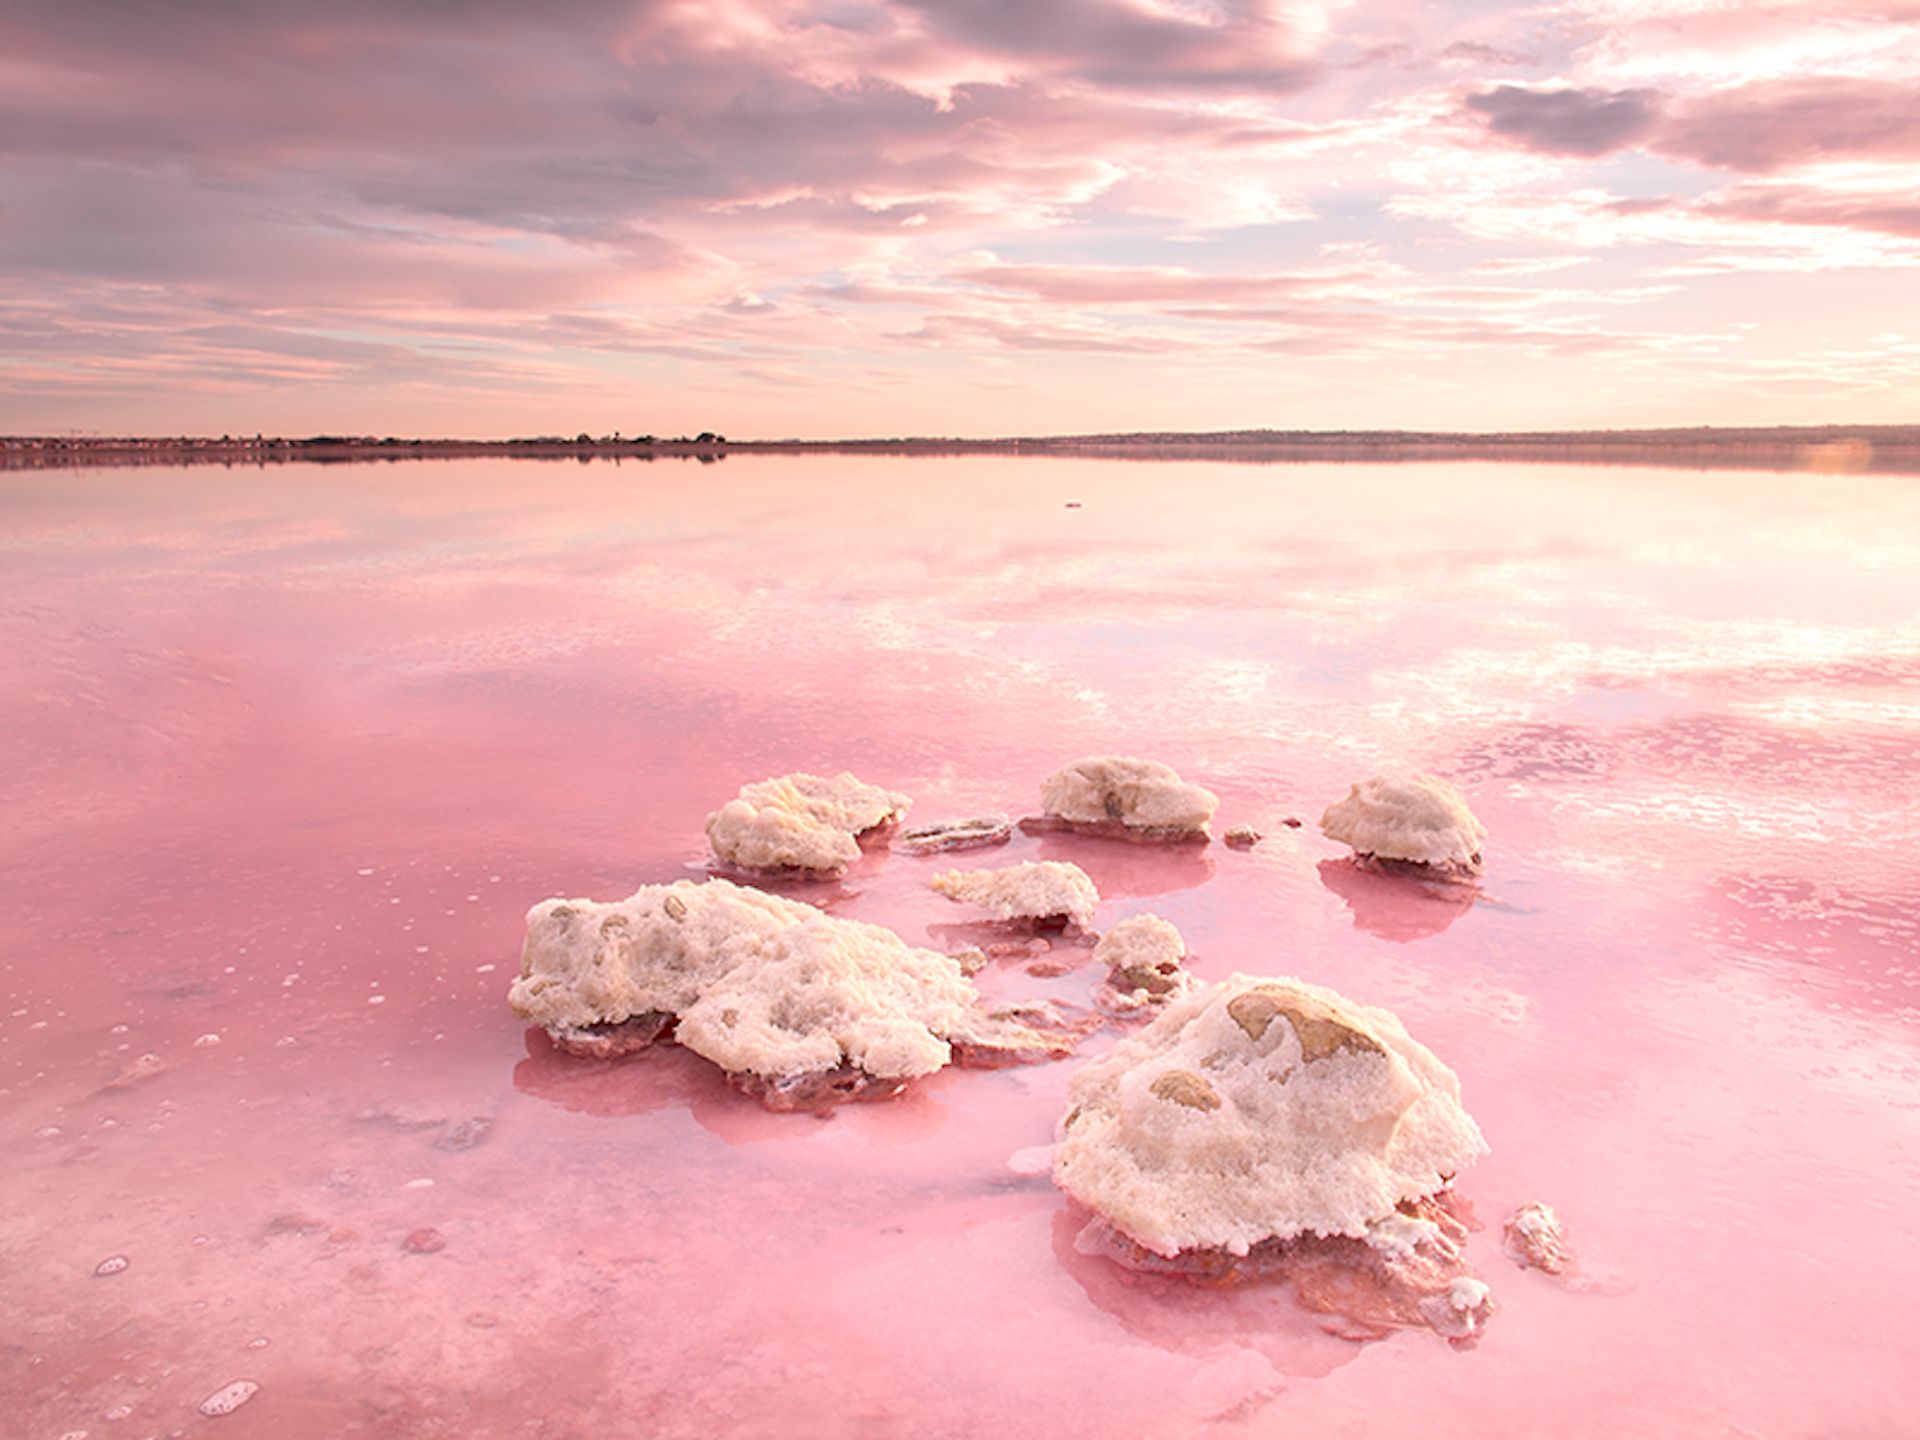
column 1882, row 212
column 1231, row 46
column 1767, row 127
column 1094, row 285
column 1565, row 120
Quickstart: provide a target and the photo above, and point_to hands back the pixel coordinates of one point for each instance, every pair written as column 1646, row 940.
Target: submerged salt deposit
column 1143, row 957
column 1260, row 1110
column 801, row 822
column 1418, row 820
column 1126, row 796
column 800, row 1006
column 1034, row 891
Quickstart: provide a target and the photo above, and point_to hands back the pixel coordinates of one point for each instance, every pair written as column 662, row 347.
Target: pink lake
column 287, row 754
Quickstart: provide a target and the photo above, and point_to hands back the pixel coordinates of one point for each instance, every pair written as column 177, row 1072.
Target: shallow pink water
column 289, row 752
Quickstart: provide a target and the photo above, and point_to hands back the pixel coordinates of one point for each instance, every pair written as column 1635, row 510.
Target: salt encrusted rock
column 1408, row 820
column 975, row 833
column 797, row 1006
column 1034, row 891
column 1143, row 958
column 1261, row 1110
column 801, row 823
column 1135, row 799
column 1243, row 837
column 1535, row 1239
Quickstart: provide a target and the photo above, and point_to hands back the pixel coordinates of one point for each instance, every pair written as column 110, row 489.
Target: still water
column 287, row 753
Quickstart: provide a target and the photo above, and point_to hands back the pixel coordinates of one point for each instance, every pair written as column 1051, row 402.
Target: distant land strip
column 1830, row 448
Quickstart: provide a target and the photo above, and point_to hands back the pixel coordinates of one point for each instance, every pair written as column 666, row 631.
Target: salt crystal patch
column 229, row 1398
column 421, row 1184
column 207, row 1040
column 112, row 1265
column 1031, row 890
column 800, row 821
column 1417, row 818
column 376, row 999
column 1233, row 1073
column 1139, row 794
column 483, row 969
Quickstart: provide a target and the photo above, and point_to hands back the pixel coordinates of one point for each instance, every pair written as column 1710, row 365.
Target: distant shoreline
column 1837, row 448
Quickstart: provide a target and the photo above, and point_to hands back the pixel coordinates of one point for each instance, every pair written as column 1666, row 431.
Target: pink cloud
column 1564, row 120
column 1882, row 213
column 1133, row 285
column 1766, row 127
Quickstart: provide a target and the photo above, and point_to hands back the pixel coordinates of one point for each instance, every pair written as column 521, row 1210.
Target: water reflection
column 1202, row 1321
column 669, row 1077
column 1121, row 869
column 1395, row 907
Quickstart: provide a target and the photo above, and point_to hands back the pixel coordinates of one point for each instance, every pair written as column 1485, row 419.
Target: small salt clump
column 1131, row 798
column 797, row 1006
column 1408, row 821
column 803, row 823
column 1142, row 956
column 1036, row 892
column 230, row 1397
column 1260, row 1110
column 1535, row 1239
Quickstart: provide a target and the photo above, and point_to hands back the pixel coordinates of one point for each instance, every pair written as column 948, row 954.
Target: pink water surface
column 287, row 753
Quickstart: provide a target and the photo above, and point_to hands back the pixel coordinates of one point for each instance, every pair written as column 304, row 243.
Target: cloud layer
column 953, row 216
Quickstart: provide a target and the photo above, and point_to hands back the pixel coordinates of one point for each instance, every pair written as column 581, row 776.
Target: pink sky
column 960, row 217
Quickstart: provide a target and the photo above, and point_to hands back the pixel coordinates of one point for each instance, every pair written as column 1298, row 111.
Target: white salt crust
column 760, row 985
column 801, row 822
column 1031, row 890
column 1139, row 794
column 1143, row 956
column 1416, row 818
column 1263, row 1109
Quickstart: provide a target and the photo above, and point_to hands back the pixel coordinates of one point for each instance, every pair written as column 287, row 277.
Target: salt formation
column 1142, row 956
column 796, row 1006
column 972, row 834
column 1412, row 821
column 1272, row 1127
column 1535, row 1239
column 1036, row 892
column 801, row 822
column 1130, row 798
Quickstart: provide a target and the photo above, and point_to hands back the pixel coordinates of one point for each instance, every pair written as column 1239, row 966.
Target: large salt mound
column 1120, row 792
column 1415, row 819
column 801, row 822
column 762, row 986
column 1263, row 1109
column 1035, row 890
